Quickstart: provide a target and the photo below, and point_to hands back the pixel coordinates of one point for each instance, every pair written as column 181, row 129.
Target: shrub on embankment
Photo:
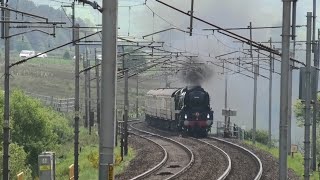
column 34, row 129
column 261, row 136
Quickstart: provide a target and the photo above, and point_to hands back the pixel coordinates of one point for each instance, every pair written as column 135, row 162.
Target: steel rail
column 227, row 171
column 190, row 153
column 254, row 157
column 158, row 166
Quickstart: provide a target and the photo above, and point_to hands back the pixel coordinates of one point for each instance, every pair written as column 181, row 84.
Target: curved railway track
column 177, row 159
column 224, row 154
column 245, row 164
column 210, row 162
column 240, row 163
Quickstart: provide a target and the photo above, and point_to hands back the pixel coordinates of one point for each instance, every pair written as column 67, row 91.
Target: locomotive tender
column 180, row 109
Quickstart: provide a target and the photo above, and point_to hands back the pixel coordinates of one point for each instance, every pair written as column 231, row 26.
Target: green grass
column 88, row 158
column 51, row 60
column 295, row 163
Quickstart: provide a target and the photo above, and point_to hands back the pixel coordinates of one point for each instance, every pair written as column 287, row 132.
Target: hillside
column 36, row 40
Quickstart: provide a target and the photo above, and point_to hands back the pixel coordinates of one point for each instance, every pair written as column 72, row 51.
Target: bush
column 66, row 55
column 18, row 161
column 261, row 136
column 35, row 128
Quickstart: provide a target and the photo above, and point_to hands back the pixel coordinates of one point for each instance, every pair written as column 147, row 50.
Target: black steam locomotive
column 183, row 109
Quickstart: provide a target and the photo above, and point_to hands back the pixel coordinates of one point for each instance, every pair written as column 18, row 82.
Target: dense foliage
column 261, row 136
column 66, row 55
column 18, row 161
column 299, row 112
column 34, row 129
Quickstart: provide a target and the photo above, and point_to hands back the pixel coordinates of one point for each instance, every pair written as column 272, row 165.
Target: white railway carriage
column 160, row 103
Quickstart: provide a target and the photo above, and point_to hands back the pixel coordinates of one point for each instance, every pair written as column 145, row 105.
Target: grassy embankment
column 88, row 158
column 295, row 163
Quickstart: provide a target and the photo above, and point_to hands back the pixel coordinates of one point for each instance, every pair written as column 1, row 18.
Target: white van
column 27, row 53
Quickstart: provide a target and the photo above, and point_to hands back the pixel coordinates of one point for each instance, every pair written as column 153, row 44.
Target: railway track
column 177, row 159
column 241, row 163
column 227, row 170
column 210, row 162
column 245, row 164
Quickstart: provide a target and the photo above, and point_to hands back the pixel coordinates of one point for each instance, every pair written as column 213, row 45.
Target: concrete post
column 108, row 88
column 283, row 149
column 308, row 100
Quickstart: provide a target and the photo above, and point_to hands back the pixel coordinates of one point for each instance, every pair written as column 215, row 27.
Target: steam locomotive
column 180, row 109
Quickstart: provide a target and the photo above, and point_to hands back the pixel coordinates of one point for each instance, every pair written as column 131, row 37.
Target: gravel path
column 148, row 155
column 269, row 163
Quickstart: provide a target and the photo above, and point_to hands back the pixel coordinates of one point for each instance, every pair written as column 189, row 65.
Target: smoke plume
column 195, row 72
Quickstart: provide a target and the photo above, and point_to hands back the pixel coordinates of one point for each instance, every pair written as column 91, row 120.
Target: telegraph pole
column 73, row 21
column 315, row 100
column 314, row 24
column 283, row 148
column 2, row 18
column 251, row 53
column 270, row 96
column 256, row 72
column 126, row 110
column 137, row 98
column 225, row 98
column 191, row 17
column 308, row 100
column 108, row 88
column 76, row 105
column 6, row 123
column 89, row 95
column 98, row 89
column 315, row 106
column 294, row 12
column 85, row 65
column 289, row 106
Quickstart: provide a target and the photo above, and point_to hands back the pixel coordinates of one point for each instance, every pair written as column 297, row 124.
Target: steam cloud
column 195, row 73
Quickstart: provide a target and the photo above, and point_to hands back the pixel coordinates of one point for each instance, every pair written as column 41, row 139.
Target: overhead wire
column 228, row 62
column 156, row 14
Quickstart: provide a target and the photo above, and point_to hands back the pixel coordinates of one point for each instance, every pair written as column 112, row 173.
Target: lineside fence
column 61, row 105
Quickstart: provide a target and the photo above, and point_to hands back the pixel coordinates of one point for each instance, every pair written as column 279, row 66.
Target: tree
column 66, row 55
column 20, row 45
column 34, row 127
column 18, row 161
column 299, row 112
